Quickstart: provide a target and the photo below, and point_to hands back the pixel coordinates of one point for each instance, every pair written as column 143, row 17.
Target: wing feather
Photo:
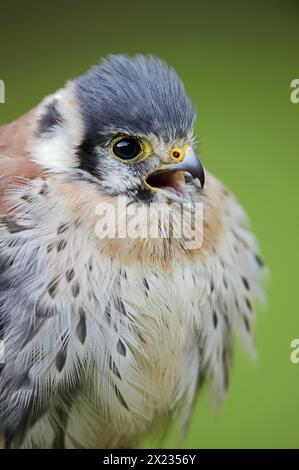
column 15, row 164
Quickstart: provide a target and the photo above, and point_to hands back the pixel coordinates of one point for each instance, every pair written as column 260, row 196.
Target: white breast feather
column 151, row 336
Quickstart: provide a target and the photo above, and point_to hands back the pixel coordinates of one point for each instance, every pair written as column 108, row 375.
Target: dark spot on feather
column 121, row 348
column 122, row 307
column 215, row 319
column 245, row 282
column 42, row 311
column 90, row 265
column 76, row 289
column 77, row 222
column 50, row 247
column 52, row 287
column 225, row 368
column 240, row 239
column 14, row 227
column 23, row 380
column 120, row 397
column 248, row 303
column 225, row 283
column 259, row 261
column 113, row 368
column 2, row 327
column 140, row 337
column 13, row 243
column 60, row 360
column 70, row 275
column 246, row 322
column 212, row 286
column 44, row 189
column 146, row 283
column 61, row 245
column 81, row 326
column 108, row 313
column 26, row 197
column 62, row 354
column 62, row 228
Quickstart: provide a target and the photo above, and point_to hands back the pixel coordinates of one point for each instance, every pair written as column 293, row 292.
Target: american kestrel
column 106, row 339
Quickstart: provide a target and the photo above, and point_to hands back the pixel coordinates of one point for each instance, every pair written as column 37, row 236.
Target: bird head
column 127, row 123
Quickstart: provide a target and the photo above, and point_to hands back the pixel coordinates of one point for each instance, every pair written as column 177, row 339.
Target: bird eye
column 126, row 148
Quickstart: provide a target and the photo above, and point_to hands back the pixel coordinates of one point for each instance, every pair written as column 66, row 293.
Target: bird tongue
column 171, row 184
column 170, row 181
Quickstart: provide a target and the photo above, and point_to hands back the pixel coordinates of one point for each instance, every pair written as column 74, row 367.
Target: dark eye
column 127, row 148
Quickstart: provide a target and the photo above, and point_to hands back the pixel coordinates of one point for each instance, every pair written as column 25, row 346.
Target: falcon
column 107, row 339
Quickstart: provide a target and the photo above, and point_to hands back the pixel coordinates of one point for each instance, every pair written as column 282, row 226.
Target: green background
column 237, row 60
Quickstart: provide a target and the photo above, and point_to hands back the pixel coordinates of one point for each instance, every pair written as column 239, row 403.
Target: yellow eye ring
column 129, row 149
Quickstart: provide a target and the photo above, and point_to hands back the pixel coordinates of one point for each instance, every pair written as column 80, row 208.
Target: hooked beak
column 192, row 165
column 170, row 179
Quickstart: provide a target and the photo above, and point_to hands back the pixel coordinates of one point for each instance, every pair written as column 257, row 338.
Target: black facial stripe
column 89, row 162
column 88, row 156
column 49, row 119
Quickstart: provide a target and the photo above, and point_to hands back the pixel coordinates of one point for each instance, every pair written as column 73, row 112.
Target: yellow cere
column 177, row 154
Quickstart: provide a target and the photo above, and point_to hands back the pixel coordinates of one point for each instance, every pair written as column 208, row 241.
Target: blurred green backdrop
column 237, row 59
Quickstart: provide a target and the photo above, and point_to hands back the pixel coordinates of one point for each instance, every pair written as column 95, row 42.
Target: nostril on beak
column 176, row 154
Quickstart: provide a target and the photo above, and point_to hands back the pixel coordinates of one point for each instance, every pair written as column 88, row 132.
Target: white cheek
column 55, row 152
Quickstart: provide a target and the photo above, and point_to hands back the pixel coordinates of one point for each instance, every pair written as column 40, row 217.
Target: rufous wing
column 15, row 163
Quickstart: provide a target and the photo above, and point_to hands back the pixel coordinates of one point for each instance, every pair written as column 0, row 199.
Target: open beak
column 170, row 179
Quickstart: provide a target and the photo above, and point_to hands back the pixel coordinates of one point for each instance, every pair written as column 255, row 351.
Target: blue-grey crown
column 140, row 95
